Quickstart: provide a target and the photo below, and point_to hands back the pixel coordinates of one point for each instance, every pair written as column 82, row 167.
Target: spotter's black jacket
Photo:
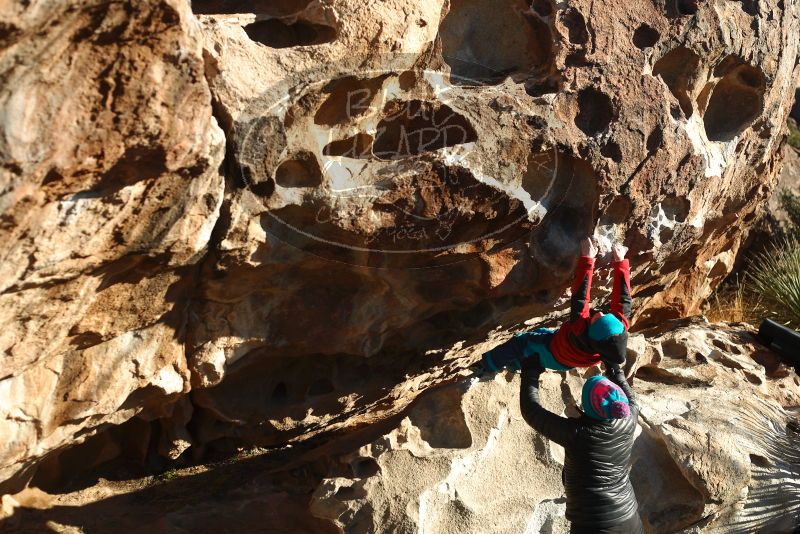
column 597, row 457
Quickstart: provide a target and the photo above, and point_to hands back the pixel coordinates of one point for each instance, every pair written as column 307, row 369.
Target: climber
column 597, row 450
column 589, row 336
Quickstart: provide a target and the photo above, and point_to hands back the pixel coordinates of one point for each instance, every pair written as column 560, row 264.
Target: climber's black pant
column 631, row 526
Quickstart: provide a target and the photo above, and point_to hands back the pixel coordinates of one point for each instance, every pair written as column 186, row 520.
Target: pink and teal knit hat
column 603, row 399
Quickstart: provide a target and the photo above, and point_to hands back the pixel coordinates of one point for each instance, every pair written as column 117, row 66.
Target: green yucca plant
column 794, row 134
column 730, row 302
column 791, row 205
column 774, row 277
column 770, row 286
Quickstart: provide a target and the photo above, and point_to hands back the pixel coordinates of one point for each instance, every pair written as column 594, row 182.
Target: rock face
column 399, row 178
column 716, row 451
column 110, row 190
column 386, row 202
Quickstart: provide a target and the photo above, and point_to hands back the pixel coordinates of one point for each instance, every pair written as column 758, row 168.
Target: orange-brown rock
column 388, row 183
column 388, row 203
column 109, row 190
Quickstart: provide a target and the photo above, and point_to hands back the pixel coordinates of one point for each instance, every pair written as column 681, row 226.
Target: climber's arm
column 554, row 427
column 582, row 284
column 621, row 291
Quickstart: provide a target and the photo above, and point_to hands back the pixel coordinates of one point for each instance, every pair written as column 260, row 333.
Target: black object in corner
column 782, row 339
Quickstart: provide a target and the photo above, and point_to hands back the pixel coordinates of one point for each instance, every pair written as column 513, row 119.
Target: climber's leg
column 505, row 355
column 541, row 345
column 525, row 345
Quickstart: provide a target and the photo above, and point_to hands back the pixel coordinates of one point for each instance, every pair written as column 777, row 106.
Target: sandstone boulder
column 109, row 190
column 716, row 451
column 403, row 177
column 307, row 212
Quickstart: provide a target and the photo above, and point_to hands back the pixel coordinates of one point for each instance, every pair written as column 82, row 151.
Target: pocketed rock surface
column 232, row 224
column 716, row 451
column 109, row 191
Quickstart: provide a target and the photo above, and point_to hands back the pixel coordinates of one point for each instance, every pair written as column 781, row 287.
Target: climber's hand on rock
column 588, row 248
column 618, row 251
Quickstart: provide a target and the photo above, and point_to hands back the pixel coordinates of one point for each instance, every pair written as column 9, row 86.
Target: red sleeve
column 581, row 288
column 621, row 292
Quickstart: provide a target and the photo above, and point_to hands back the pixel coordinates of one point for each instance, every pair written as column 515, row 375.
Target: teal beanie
column 605, row 327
